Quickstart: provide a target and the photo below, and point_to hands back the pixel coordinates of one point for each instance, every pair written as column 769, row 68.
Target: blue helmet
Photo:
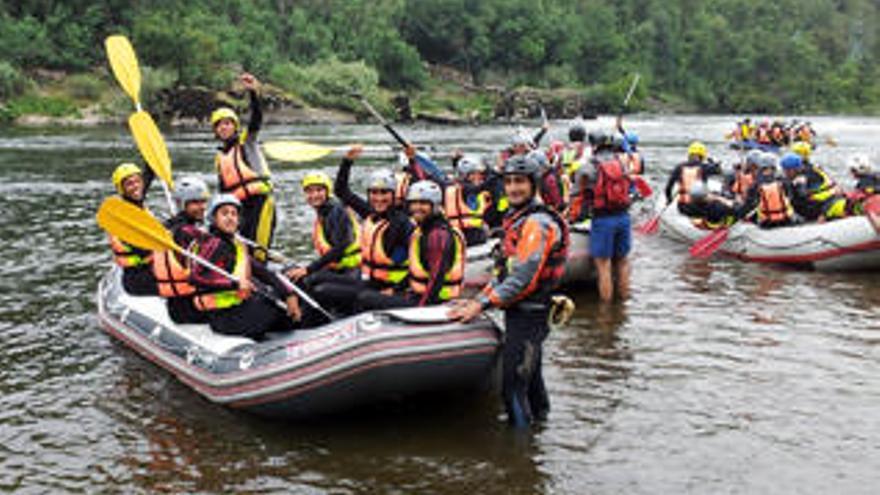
column 632, row 138
column 791, row 161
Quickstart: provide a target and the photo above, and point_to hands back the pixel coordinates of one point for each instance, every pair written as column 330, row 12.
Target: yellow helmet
column 123, row 172
column 317, row 179
column 224, row 113
column 802, row 148
column 697, row 148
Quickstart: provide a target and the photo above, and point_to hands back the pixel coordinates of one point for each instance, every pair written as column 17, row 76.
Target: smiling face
column 316, row 195
column 226, row 219
column 196, row 209
column 133, row 187
column 420, row 210
column 224, row 129
column 381, row 199
column 518, row 188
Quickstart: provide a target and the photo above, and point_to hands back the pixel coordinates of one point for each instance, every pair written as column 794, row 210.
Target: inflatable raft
column 365, row 358
column 578, row 267
column 754, row 145
column 848, row 244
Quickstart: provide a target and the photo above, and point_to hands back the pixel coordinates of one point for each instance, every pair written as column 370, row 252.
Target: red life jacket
column 611, row 190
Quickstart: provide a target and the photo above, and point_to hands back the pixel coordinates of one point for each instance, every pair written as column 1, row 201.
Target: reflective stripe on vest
column 690, row 174
column 459, row 214
column 172, row 277
column 228, row 298
column 774, row 206
column 452, row 279
column 125, row 256
column 375, row 263
column 236, row 177
column 351, row 257
column 826, row 189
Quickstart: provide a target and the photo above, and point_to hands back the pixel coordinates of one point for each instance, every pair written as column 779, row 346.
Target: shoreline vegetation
column 442, row 61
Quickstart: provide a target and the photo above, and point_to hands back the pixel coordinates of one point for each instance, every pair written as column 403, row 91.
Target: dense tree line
column 740, row 55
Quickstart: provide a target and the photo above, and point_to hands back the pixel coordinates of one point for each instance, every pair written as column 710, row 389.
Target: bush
column 153, row 81
column 53, row 106
column 12, row 81
column 329, row 82
column 85, row 86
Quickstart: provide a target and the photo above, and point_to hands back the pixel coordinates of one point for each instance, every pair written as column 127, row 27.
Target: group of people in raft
column 775, row 133
column 403, row 245
column 770, row 190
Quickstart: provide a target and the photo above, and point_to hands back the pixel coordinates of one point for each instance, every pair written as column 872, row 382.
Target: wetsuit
column 814, row 193
column 534, row 251
column 249, row 315
column 136, row 263
column 243, row 171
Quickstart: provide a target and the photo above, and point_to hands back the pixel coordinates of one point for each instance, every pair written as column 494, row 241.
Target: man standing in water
column 242, row 170
column 534, row 251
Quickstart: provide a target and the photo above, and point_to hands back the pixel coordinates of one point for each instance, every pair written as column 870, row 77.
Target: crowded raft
column 390, row 302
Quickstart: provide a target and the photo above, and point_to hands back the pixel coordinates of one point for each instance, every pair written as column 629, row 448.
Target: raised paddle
column 138, row 227
column 296, row 151
column 125, row 67
column 378, row 116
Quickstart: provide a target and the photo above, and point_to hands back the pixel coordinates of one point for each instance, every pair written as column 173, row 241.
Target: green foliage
column 85, row 86
column 12, row 81
column 328, row 82
column 721, row 55
column 51, row 106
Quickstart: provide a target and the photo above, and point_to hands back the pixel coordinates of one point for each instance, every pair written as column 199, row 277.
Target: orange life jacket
column 690, row 174
column 459, row 214
column 228, row 298
column 172, row 277
column 555, row 254
column 375, row 263
column 126, row 256
column 236, row 177
column 419, row 276
column 742, row 183
column 774, row 206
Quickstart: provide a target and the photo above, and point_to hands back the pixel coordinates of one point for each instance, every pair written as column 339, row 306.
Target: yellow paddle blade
column 134, row 225
column 295, row 151
column 124, row 64
column 151, row 145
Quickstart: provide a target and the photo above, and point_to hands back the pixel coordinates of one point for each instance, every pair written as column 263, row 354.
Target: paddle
column 629, row 94
column 707, row 246
column 138, row 227
column 124, row 65
column 651, row 226
column 296, row 151
column 381, row 119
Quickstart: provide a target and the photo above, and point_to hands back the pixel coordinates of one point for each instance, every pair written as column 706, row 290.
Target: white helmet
column 469, row 164
column 860, row 163
column 382, row 180
column 188, row 189
column 220, row 200
column 425, row 190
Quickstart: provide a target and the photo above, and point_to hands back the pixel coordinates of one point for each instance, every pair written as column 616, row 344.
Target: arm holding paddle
column 341, row 187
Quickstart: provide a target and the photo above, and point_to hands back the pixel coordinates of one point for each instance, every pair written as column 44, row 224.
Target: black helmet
column 577, row 131
column 597, row 138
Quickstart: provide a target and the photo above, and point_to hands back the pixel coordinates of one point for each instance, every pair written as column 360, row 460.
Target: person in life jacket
column 242, row 170
column 529, row 269
column 577, row 149
column 385, row 227
column 738, row 183
column 697, row 168
column 335, row 233
column 769, row 199
column 466, row 200
column 716, row 211
column 131, row 183
column 610, row 229
column 867, row 181
column 520, row 144
column 171, row 269
column 436, row 255
column 816, row 195
column 554, row 186
column 248, row 305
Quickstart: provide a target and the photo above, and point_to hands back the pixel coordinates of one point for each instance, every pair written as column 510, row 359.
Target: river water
column 715, row 377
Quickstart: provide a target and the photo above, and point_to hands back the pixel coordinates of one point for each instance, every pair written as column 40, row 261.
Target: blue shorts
column 611, row 236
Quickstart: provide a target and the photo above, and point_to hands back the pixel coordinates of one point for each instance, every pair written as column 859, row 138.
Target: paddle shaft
column 280, row 257
column 381, row 119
